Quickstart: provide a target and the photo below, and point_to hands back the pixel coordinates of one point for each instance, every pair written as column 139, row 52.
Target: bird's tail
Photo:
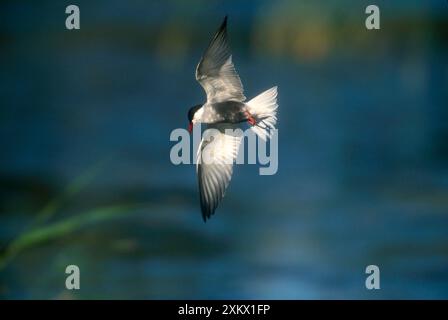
column 263, row 108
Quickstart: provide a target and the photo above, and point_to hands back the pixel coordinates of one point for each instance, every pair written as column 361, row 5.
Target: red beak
column 190, row 127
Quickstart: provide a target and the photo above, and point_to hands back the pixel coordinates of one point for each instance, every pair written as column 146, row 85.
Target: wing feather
column 216, row 72
column 216, row 154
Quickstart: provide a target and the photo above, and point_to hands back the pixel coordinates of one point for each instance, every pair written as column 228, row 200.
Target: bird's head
column 193, row 116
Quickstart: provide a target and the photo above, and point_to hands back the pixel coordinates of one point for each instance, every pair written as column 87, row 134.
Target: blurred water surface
column 363, row 175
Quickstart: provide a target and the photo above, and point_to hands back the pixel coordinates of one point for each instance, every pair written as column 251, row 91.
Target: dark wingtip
column 224, row 23
column 221, row 32
column 207, row 214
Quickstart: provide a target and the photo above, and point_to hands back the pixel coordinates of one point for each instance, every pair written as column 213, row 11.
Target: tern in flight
column 225, row 108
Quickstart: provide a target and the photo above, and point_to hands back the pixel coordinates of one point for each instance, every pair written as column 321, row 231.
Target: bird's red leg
column 250, row 118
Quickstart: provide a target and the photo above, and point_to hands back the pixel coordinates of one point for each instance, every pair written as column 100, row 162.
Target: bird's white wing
column 216, row 154
column 216, row 72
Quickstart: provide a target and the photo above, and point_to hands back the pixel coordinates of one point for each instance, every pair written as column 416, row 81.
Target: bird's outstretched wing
column 216, row 72
column 216, row 154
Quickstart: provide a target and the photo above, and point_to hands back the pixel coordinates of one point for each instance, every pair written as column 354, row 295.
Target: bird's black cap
column 192, row 111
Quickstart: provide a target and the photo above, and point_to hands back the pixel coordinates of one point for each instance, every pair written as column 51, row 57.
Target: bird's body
column 224, row 112
column 225, row 109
